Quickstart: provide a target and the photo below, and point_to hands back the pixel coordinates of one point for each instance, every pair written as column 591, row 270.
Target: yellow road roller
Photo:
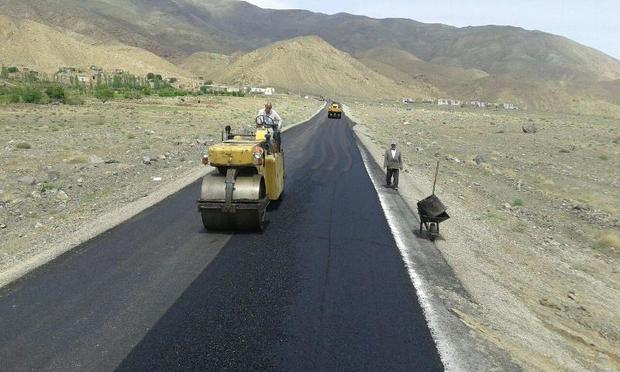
column 249, row 174
column 334, row 111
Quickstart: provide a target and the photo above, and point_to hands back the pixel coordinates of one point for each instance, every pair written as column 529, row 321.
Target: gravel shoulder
column 534, row 218
column 69, row 173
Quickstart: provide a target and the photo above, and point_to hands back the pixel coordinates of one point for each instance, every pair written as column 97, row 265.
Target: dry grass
column 610, row 239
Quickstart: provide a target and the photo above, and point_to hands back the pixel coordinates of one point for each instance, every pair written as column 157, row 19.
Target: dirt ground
column 62, row 166
column 535, row 229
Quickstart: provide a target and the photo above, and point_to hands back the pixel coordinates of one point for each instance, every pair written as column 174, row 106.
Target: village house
column 222, row 88
column 443, row 102
column 509, row 106
column 408, row 100
column 266, row 91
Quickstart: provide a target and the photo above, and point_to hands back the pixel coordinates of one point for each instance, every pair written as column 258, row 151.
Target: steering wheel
column 265, row 121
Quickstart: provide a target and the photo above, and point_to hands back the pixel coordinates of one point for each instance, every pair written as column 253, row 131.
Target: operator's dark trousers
column 392, row 173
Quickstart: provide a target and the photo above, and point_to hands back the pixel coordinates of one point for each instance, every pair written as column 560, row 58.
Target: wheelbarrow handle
column 436, row 173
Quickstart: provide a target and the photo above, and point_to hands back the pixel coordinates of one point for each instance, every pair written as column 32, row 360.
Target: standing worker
column 393, row 163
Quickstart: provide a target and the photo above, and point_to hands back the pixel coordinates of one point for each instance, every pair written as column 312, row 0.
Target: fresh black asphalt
column 323, row 288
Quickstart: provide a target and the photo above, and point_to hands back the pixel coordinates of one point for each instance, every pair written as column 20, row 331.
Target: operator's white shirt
column 393, row 154
column 274, row 116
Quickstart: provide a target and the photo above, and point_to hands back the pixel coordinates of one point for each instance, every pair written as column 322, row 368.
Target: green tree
column 150, row 76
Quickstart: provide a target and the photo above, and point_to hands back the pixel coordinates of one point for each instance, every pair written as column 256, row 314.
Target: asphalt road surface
column 323, row 288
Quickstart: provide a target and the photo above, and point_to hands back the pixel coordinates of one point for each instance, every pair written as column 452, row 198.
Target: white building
column 443, row 102
column 266, row 91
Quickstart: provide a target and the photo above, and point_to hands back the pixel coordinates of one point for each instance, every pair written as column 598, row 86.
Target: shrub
column 170, row 92
column 23, row 146
column 518, row 203
column 104, row 94
column 31, row 95
column 55, row 93
column 150, row 76
column 12, row 70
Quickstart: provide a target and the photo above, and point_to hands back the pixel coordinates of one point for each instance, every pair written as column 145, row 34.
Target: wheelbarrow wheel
column 433, row 231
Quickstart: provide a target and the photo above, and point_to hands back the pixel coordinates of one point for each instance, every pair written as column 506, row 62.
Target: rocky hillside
column 209, row 38
column 179, row 28
column 31, row 44
column 306, row 64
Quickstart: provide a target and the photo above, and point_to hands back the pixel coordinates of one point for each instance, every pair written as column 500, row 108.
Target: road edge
column 439, row 291
column 111, row 220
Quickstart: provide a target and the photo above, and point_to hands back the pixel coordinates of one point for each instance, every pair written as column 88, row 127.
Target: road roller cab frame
column 249, row 175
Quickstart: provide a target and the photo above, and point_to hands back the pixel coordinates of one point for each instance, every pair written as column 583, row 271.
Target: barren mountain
column 310, row 65
column 178, row 28
column 205, row 64
column 489, row 63
column 405, row 68
column 31, row 44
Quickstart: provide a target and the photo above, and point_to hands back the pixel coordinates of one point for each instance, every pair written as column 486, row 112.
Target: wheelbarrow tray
column 432, row 212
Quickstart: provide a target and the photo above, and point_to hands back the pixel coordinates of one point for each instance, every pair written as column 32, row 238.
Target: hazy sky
column 595, row 23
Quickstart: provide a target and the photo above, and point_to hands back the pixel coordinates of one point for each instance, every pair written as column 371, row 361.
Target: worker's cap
column 393, row 142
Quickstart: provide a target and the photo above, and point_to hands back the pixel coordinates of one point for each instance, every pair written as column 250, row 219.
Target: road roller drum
column 249, row 175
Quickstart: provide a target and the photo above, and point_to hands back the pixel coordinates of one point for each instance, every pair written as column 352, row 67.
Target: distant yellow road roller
column 249, row 174
column 334, row 111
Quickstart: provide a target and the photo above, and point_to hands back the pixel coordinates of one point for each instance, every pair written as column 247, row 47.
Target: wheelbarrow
column 432, row 212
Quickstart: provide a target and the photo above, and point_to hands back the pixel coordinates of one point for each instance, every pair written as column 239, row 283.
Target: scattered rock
column 94, row 159
column 162, row 157
column 149, row 132
column 112, row 161
column 572, row 296
column 38, row 225
column 53, row 175
column 156, row 179
column 529, row 129
column 547, row 303
column 27, row 180
column 452, row 158
column 2, row 226
column 519, row 185
column 146, row 160
column 507, row 206
column 419, row 149
column 80, row 180
column 61, row 195
column 479, row 159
